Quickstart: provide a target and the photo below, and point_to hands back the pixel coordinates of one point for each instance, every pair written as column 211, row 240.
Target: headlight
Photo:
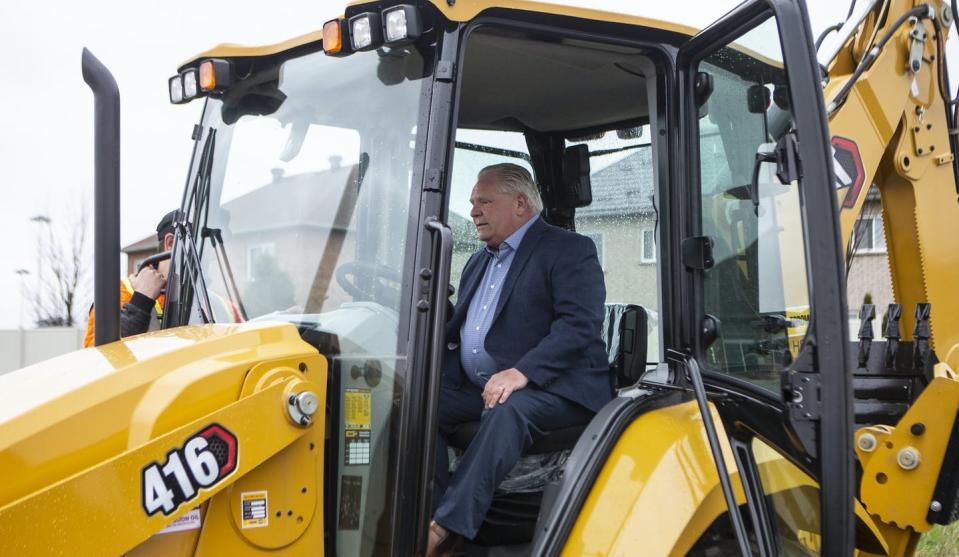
column 176, row 90
column 401, row 24
column 189, row 84
column 366, row 31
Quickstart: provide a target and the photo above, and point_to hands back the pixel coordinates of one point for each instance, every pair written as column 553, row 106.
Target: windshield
column 298, row 206
column 308, row 189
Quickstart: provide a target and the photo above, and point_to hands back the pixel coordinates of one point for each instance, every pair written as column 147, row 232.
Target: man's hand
column 501, row 385
column 149, row 282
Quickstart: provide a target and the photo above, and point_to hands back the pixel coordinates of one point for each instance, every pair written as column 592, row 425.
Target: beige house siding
column 869, row 274
column 140, row 250
column 628, row 278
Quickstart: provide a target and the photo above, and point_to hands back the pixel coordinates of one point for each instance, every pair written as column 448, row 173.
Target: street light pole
column 41, row 220
column 23, row 291
column 23, row 294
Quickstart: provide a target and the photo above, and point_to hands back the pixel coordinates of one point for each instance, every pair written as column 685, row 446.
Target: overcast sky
column 46, row 152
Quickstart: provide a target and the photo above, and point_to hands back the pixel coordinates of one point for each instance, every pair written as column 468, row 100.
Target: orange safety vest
column 126, row 294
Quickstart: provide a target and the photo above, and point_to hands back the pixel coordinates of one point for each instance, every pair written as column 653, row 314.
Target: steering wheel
column 382, row 283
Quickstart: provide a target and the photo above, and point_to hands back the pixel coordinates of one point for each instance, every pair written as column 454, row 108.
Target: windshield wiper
column 197, row 212
column 194, row 270
column 190, row 260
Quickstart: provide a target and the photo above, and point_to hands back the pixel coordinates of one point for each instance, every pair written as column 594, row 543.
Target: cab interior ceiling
column 522, row 83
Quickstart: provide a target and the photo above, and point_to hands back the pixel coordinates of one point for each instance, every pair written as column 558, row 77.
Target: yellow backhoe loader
column 720, row 173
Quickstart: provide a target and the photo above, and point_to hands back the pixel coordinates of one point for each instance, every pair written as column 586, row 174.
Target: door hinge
column 433, row 180
column 445, row 70
column 698, row 252
column 802, row 395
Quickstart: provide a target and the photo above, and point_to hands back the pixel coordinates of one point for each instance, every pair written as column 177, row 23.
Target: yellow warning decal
column 254, row 509
column 357, row 404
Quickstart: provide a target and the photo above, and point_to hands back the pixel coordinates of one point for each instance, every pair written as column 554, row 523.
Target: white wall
column 20, row 348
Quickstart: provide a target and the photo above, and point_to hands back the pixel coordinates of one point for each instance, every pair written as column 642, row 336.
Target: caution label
column 356, row 434
column 254, row 509
column 358, row 403
column 190, row 521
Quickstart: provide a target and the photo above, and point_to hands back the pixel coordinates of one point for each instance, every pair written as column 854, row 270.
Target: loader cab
column 329, row 189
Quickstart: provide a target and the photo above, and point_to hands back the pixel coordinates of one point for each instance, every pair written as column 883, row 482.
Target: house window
column 649, row 246
column 597, row 238
column 869, row 235
column 256, row 257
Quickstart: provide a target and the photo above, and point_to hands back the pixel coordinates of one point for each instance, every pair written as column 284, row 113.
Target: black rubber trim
column 756, row 501
column 733, row 511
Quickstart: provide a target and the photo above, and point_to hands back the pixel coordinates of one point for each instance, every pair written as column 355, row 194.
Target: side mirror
column 577, row 186
column 758, row 99
column 702, row 90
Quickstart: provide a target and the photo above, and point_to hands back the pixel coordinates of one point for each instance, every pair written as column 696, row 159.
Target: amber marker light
column 215, row 75
column 332, row 37
column 207, row 76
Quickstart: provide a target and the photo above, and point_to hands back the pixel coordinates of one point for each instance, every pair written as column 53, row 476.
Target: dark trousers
column 506, row 431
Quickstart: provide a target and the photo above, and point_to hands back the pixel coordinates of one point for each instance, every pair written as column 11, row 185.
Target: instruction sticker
column 357, row 447
column 357, row 433
column 351, row 498
column 189, row 521
column 358, row 403
column 254, row 509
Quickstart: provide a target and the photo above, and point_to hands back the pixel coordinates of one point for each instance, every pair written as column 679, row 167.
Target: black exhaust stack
column 106, row 213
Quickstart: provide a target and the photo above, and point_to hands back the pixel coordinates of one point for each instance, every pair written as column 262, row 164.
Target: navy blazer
column 548, row 319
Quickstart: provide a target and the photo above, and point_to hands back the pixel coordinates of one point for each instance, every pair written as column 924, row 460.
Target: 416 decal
column 204, row 460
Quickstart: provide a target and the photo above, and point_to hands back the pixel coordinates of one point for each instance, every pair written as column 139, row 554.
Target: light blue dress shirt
column 476, row 361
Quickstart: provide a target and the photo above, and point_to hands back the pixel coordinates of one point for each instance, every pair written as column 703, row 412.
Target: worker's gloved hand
column 149, row 282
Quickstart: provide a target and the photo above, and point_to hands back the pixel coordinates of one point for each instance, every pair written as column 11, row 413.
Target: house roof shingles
column 624, row 187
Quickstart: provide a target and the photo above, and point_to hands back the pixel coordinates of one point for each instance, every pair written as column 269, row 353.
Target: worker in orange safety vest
column 141, row 296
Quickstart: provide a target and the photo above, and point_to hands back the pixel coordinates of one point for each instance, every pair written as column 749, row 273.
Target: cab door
column 764, row 315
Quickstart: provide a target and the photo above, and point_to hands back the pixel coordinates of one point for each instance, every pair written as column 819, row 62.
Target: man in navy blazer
column 524, row 352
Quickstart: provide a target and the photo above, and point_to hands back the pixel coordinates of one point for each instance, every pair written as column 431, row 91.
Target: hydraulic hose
column 920, row 12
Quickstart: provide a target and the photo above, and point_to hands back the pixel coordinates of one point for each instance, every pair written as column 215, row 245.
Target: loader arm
column 219, row 417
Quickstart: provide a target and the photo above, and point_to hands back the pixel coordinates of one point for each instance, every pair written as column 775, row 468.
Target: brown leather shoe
column 442, row 542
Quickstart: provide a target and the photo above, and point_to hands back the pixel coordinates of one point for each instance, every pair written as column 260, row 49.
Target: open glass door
column 763, row 252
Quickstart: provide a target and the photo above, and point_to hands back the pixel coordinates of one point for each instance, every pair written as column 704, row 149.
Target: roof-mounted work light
column 176, row 89
column 366, row 31
column 401, row 25
column 190, row 88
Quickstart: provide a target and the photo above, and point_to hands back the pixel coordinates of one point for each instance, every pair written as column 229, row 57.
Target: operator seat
column 512, row 516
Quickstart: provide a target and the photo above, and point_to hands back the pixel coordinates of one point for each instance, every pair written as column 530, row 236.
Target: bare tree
column 62, row 263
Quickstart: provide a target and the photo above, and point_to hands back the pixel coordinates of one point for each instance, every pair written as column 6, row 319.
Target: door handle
column 439, row 278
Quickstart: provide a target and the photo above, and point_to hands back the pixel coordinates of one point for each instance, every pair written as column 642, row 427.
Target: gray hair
column 513, row 179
